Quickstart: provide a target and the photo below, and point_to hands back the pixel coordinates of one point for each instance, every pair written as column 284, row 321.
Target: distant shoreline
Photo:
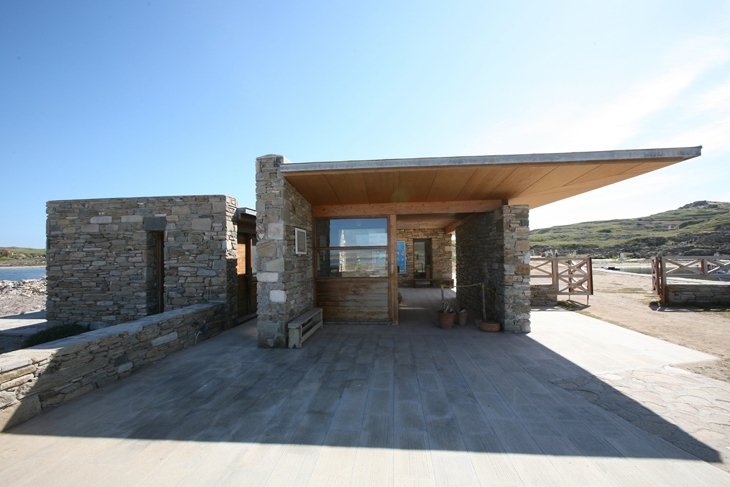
column 22, row 266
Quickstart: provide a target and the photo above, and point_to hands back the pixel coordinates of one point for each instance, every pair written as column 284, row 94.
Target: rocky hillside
column 16, row 256
column 699, row 228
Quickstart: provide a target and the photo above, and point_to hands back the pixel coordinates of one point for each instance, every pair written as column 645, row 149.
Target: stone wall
column 494, row 248
column 699, row 294
column 35, row 379
column 440, row 253
column 101, row 256
column 543, row 295
column 285, row 279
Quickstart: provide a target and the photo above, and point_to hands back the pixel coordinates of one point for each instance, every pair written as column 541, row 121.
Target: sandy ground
column 626, row 300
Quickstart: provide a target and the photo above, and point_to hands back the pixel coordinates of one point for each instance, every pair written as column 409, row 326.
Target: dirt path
column 624, row 299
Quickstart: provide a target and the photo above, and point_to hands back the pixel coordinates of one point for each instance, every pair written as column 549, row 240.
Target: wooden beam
column 392, row 270
column 417, row 208
column 452, row 227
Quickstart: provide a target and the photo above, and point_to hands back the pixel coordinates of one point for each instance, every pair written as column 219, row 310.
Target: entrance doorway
column 422, row 259
column 246, row 264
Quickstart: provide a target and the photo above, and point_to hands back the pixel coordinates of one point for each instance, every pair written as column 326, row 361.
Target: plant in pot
column 462, row 316
column 446, row 315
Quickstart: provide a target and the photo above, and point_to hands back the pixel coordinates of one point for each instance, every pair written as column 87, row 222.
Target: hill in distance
column 16, row 257
column 699, row 228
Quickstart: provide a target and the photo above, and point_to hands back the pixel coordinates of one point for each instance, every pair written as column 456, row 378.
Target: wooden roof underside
column 445, row 194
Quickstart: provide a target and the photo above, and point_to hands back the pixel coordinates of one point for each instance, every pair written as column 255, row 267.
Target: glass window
column 352, row 232
column 352, row 263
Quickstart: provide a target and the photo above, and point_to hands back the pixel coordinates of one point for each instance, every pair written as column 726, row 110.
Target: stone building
column 331, row 230
column 115, row 260
column 340, row 236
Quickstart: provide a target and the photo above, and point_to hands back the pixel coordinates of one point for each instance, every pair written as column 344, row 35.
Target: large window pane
column 352, row 232
column 352, row 263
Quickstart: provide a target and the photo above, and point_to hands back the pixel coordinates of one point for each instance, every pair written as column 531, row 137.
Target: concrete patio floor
column 375, row 405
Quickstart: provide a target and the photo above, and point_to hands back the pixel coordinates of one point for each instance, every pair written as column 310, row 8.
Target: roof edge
column 679, row 153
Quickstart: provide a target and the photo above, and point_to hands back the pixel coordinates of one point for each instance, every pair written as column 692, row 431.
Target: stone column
column 285, row 280
column 494, row 249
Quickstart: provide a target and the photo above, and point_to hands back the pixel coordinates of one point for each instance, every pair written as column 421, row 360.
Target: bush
column 54, row 333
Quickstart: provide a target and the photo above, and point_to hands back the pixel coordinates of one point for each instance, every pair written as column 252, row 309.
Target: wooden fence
column 568, row 276
column 714, row 268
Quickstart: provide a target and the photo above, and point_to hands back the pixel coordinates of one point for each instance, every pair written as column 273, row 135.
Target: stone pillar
column 495, row 249
column 285, row 280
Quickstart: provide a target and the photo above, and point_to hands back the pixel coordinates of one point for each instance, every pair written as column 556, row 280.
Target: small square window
column 300, row 241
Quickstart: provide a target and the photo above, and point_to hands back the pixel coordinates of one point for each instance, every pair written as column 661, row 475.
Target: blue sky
column 141, row 98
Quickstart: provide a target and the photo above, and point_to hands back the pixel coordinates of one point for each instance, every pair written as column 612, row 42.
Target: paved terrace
column 377, row 405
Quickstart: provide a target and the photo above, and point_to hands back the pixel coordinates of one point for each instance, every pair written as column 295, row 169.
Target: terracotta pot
column 462, row 315
column 446, row 320
column 489, row 326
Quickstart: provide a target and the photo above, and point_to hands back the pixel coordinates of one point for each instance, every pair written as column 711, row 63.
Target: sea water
column 21, row 273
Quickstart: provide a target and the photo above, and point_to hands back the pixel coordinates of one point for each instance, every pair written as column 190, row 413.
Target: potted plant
column 446, row 315
column 462, row 316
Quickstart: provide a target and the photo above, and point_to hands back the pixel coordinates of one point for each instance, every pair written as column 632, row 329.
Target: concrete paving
column 15, row 329
column 374, row 405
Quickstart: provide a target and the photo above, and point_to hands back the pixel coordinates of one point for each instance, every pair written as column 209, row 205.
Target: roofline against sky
column 680, row 153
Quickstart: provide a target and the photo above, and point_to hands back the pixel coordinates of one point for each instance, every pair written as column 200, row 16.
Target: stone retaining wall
column 543, row 295
column 494, row 248
column 440, row 253
column 35, row 379
column 699, row 294
column 102, row 258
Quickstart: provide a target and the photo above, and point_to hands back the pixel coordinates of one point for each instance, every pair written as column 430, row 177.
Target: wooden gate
column 569, row 276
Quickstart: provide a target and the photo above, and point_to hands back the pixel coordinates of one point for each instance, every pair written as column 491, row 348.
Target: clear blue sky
column 143, row 98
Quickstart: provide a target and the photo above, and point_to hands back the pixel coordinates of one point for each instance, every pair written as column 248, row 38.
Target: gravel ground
column 17, row 297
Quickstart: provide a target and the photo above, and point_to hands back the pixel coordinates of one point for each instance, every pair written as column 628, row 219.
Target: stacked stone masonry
column 285, row 279
column 102, row 260
column 441, row 266
column 543, row 295
column 717, row 294
column 494, row 248
column 35, row 379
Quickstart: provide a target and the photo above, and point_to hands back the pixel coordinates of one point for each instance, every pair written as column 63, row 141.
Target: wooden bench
column 302, row 327
column 418, row 282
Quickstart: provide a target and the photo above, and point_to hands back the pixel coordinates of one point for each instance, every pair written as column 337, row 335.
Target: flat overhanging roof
column 461, row 185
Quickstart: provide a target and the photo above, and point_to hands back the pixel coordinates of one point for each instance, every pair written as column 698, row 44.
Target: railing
column 716, row 267
column 568, row 276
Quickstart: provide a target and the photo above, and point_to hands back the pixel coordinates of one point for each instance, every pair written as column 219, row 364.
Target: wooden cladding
column 353, row 300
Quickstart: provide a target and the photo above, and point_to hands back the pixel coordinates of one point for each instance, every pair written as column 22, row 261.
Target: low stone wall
column 699, row 294
column 545, row 295
column 37, row 378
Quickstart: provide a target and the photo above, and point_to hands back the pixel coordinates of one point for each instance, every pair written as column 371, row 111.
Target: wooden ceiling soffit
column 414, row 208
column 518, row 181
column 560, row 176
column 349, row 188
column 314, row 188
column 380, row 186
column 484, row 181
column 449, row 183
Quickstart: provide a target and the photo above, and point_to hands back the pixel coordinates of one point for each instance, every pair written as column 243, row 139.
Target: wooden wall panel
column 353, row 300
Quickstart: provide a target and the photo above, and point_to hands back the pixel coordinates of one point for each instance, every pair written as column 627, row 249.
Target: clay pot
column 462, row 316
column 446, row 320
column 489, row 326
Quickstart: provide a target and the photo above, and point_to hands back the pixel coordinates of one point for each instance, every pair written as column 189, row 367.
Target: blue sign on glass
column 401, row 247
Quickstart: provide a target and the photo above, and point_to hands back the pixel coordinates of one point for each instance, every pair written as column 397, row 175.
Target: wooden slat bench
column 302, row 327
